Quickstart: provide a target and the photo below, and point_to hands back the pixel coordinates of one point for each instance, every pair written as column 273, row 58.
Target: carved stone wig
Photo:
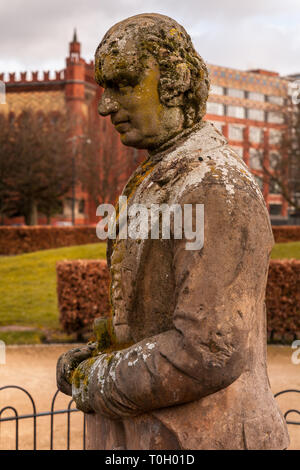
column 184, row 79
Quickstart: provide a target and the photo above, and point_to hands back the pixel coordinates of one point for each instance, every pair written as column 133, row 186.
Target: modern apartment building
column 247, row 107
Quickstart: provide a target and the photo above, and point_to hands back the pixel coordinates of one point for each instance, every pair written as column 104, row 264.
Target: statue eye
column 108, row 84
column 125, row 88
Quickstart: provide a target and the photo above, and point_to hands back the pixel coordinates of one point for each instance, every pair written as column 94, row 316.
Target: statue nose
column 107, row 105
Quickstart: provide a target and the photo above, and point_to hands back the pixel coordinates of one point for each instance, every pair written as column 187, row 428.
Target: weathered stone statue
column 185, row 359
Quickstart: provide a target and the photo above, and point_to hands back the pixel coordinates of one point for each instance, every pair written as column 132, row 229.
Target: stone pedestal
column 104, row 433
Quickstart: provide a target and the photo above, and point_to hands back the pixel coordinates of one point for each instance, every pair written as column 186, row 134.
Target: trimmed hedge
column 82, row 290
column 83, row 296
column 283, row 301
column 17, row 240
column 286, row 233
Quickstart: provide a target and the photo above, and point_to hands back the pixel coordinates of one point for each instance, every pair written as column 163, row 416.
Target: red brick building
column 72, row 89
column 245, row 106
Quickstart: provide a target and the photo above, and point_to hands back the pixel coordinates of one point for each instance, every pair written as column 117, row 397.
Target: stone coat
column 195, row 377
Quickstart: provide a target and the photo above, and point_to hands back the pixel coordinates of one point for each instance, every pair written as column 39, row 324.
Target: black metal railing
column 52, row 413
column 288, row 412
column 34, row 415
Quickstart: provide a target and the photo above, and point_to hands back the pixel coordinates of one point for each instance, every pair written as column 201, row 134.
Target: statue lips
column 122, row 126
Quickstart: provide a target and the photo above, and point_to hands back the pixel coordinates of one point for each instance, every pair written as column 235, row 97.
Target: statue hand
column 68, row 362
column 80, row 389
column 88, row 383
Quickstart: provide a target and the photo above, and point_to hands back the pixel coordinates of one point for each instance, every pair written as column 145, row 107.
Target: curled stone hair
column 184, row 79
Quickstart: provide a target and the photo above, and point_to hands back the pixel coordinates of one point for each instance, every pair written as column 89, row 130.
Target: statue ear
column 175, row 84
column 182, row 77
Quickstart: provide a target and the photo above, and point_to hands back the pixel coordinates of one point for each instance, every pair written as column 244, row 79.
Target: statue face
column 131, row 98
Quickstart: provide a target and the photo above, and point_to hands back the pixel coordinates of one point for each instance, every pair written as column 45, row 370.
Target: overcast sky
column 241, row 34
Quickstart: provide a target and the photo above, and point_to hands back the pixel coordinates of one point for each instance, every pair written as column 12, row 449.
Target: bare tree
column 34, row 164
column 282, row 171
column 103, row 167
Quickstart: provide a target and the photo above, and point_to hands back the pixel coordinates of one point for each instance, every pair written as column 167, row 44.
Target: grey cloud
column 34, row 35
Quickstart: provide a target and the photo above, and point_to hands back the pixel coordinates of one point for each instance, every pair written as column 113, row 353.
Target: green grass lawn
column 28, row 284
column 286, row 250
column 28, row 287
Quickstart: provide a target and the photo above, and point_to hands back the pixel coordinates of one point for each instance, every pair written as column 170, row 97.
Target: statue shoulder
column 219, row 166
column 218, row 178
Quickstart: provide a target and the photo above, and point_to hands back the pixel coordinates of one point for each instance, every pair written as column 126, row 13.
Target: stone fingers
column 67, row 364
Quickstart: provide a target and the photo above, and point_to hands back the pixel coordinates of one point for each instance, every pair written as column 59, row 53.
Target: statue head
column 156, row 85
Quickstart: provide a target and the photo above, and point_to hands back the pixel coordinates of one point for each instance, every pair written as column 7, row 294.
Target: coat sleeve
column 217, row 288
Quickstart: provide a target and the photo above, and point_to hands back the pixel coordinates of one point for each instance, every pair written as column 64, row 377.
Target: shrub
column 286, row 233
column 83, row 296
column 283, row 301
column 82, row 288
column 17, row 240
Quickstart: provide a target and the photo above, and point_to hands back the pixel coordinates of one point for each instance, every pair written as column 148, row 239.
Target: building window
column 274, row 160
column 235, row 92
column 274, row 187
column 215, row 108
column 275, row 209
column 68, row 205
column 275, row 117
column 81, row 206
column 255, row 134
column 274, row 137
column 256, row 114
column 216, row 90
column 236, row 111
column 276, row 99
column 256, row 96
column 235, row 132
column 60, row 207
column 75, row 56
column 255, row 159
